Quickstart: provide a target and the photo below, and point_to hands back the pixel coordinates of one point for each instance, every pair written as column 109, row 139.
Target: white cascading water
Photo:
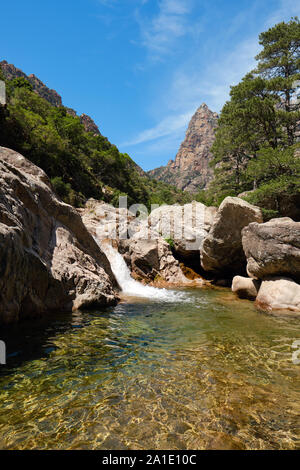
column 134, row 288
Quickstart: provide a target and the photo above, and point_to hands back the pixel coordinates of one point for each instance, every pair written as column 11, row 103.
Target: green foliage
column 255, row 141
column 274, row 165
column 79, row 164
column 170, row 241
column 269, row 214
column 205, row 197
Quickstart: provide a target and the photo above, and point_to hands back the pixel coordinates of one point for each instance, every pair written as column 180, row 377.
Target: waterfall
column 134, row 288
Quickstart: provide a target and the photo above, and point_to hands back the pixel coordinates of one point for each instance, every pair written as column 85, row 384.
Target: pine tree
column 279, row 63
column 258, row 123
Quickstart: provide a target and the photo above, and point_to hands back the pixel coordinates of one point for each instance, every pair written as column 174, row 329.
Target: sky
column 139, row 68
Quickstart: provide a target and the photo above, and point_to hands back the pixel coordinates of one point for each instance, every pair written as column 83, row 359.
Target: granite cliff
column 48, row 259
column 190, row 171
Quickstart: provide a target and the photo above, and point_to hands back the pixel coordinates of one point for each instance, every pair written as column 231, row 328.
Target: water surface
column 211, row 373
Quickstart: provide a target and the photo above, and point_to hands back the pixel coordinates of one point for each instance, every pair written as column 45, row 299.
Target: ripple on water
column 211, row 373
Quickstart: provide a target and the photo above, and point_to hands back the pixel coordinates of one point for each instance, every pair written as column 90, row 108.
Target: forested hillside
column 80, row 164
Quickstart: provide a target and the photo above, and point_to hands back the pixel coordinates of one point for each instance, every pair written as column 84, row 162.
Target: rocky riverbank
column 51, row 257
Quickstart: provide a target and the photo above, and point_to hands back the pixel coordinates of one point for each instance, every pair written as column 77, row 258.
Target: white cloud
column 191, row 85
column 160, row 32
column 212, row 84
column 169, row 125
column 187, row 92
column 286, row 10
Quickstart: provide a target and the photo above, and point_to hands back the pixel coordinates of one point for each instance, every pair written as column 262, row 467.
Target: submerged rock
column 222, row 250
column 48, row 259
column 245, row 287
column 279, row 294
column 273, row 248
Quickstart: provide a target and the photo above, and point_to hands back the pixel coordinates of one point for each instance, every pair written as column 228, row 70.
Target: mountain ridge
column 10, row 72
column 190, row 170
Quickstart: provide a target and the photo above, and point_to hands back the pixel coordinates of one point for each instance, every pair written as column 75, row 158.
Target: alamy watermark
column 296, row 354
column 185, row 224
column 2, row 353
column 2, row 93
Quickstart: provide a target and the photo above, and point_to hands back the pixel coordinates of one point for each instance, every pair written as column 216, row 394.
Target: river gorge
column 182, row 369
column 113, row 343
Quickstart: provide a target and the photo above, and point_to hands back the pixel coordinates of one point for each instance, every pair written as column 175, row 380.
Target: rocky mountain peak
column 190, row 170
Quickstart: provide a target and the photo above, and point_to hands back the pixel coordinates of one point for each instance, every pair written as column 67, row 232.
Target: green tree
column 79, row 164
column 279, row 63
column 254, row 146
column 247, row 122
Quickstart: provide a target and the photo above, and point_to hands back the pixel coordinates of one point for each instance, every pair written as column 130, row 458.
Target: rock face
column 184, row 226
column 222, row 250
column 105, row 222
column 48, row 259
column 245, row 287
column 10, row 72
column 279, row 294
column 89, row 124
column 190, row 170
column 148, row 257
column 152, row 260
column 273, row 248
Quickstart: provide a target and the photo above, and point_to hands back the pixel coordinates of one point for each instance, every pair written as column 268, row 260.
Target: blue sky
column 139, row 68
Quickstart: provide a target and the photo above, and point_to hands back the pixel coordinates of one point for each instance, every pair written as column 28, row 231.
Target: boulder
column 185, row 227
column 48, row 259
column 279, row 294
column 152, row 260
column 105, row 221
column 149, row 257
column 273, row 248
column 245, row 287
column 222, row 250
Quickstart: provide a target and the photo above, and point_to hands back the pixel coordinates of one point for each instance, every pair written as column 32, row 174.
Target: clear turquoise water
column 213, row 373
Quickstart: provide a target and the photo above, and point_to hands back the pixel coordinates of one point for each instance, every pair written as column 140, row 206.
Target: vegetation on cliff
column 80, row 164
column 258, row 131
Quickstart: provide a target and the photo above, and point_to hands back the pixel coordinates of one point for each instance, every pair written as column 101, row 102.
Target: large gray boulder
column 273, row 248
column 222, row 250
column 279, row 294
column 48, row 259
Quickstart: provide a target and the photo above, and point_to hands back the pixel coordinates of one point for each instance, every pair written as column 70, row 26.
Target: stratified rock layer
column 190, row 171
column 48, row 259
